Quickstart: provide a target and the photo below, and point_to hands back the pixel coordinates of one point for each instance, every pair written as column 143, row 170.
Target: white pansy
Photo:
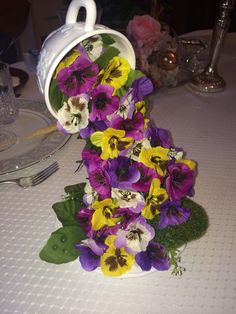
column 173, row 153
column 137, row 237
column 136, row 148
column 93, row 47
column 73, row 115
column 128, row 199
column 90, row 195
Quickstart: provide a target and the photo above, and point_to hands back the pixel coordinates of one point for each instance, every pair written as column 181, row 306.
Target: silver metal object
column 209, row 80
column 35, row 179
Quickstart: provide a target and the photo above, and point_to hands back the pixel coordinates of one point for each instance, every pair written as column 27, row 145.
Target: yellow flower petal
column 67, row 61
column 116, row 262
column 103, row 214
column 155, row 158
column 96, row 138
column 188, row 162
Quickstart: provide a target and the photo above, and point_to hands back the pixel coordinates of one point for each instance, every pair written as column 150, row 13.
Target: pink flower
column 144, row 29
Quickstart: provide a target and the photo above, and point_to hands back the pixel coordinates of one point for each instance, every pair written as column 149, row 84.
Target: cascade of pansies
column 136, row 178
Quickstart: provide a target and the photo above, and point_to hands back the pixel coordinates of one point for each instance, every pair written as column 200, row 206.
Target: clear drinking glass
column 8, row 108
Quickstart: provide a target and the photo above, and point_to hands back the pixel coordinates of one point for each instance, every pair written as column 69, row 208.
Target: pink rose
column 143, row 29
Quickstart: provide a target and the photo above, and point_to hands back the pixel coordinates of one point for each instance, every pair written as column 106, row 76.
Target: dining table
column 204, row 126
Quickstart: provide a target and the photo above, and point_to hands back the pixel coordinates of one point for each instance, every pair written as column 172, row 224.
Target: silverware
column 35, row 179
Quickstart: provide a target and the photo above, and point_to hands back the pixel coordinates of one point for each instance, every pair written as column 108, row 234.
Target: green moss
column 174, row 237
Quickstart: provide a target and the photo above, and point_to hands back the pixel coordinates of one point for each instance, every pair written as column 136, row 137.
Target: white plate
column 33, row 115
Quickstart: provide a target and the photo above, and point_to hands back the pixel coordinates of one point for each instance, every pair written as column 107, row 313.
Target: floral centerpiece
column 134, row 208
column 155, row 47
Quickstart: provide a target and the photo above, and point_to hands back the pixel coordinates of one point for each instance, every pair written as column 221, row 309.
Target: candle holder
column 209, row 80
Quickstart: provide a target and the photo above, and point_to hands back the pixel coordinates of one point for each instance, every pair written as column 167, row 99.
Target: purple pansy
column 132, row 127
column 142, row 87
column 90, row 252
column 103, row 103
column 84, row 217
column 79, row 77
column 100, row 181
column 123, row 172
column 92, row 160
column 145, row 180
column 154, row 256
column 172, row 213
column 158, row 136
column 179, row 180
column 92, row 127
column 128, row 216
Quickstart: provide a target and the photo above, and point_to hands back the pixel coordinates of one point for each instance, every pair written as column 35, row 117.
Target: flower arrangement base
column 61, row 246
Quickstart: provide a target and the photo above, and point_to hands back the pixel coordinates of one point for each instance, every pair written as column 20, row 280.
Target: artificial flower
column 135, row 149
column 155, row 256
column 146, row 177
column 123, row 172
column 179, row 180
column 116, row 73
column 93, row 46
column 142, row 87
column 79, row 77
column 103, row 214
column 158, row 136
column 155, row 158
column 133, row 127
column 111, row 142
column 73, row 115
column 115, row 262
column 67, row 61
column 155, row 198
column 100, row 181
column 103, row 103
column 92, row 127
column 90, row 195
column 172, row 214
column 90, row 252
column 126, row 105
column 144, row 29
column 84, row 217
column 128, row 199
column 140, row 106
column 135, row 237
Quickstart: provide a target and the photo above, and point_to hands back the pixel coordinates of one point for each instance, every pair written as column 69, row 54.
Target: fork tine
column 44, row 174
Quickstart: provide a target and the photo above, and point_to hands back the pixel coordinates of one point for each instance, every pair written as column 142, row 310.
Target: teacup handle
column 91, row 13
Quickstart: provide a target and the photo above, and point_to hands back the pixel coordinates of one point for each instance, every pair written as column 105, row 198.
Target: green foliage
column 107, row 39
column 104, row 59
column 60, row 246
column 174, row 237
column 55, row 95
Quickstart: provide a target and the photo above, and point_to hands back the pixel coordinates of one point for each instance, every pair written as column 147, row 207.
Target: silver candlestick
column 209, row 80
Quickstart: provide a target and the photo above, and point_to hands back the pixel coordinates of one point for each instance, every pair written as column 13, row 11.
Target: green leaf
column 133, row 75
column 60, row 247
column 195, row 227
column 55, row 95
column 66, row 211
column 104, row 59
column 107, row 39
column 76, row 190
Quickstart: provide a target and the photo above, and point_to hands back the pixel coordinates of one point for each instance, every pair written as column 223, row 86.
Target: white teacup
column 61, row 41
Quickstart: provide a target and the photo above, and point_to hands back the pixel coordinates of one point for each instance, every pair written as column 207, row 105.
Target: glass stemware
column 8, row 109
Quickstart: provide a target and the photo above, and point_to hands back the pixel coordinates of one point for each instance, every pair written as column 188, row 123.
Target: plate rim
column 24, row 104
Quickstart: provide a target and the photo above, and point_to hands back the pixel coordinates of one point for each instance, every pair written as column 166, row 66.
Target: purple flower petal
column 142, row 87
column 172, row 213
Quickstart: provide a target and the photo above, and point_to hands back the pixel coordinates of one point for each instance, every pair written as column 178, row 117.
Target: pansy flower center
column 133, row 235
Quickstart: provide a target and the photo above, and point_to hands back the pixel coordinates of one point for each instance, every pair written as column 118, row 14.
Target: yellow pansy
column 115, row 261
column 188, row 162
column 103, row 214
column 67, row 61
column 111, row 141
column 156, row 158
column 116, row 73
column 141, row 106
column 156, row 197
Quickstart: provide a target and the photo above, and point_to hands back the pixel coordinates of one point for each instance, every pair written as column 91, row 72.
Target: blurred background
column 24, row 24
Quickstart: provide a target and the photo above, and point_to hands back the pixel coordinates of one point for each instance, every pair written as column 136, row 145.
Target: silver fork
column 35, row 179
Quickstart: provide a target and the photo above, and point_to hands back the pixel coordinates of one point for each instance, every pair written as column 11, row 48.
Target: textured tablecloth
column 205, row 127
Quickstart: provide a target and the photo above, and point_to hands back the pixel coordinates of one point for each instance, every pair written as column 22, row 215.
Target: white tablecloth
column 204, row 126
